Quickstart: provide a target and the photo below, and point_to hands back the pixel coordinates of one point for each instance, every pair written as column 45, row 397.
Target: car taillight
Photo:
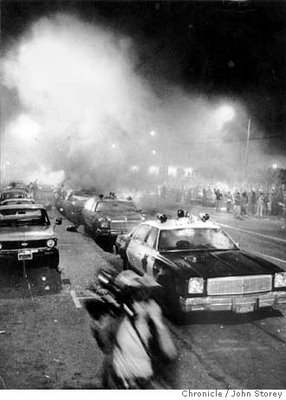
column 51, row 243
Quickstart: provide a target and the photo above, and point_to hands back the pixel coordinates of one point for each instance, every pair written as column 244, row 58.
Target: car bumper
column 12, row 255
column 110, row 233
column 237, row 304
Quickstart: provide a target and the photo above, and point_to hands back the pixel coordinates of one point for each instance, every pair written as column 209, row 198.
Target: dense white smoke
column 86, row 112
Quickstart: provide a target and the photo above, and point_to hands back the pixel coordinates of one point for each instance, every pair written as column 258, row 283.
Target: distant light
column 153, row 170
column 153, row 133
column 113, row 146
column 274, row 166
column 223, row 114
column 154, row 152
column 134, row 168
column 172, row 171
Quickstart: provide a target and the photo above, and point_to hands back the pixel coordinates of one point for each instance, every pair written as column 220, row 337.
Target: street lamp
column 223, row 114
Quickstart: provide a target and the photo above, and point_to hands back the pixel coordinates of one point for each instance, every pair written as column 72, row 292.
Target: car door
column 151, row 251
column 136, row 249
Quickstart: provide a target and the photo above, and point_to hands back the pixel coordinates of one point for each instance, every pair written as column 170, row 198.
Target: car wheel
column 171, row 303
column 54, row 263
column 175, row 312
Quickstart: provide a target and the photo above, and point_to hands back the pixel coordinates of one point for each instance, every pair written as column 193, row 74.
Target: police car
column 200, row 266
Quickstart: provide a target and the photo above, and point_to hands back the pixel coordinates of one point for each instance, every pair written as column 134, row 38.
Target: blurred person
column 229, row 201
column 237, row 205
column 140, row 353
column 260, row 205
column 218, row 199
column 244, row 203
column 252, row 202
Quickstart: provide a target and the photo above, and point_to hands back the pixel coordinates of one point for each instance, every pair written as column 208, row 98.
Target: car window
column 194, row 239
column 152, row 238
column 12, row 195
column 15, row 217
column 141, row 233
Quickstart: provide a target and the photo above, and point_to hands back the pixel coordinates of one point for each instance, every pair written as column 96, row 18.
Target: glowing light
column 153, row 133
column 223, row 114
column 113, row 146
column 153, row 170
column 134, row 168
column 274, row 166
column 172, row 171
column 154, row 152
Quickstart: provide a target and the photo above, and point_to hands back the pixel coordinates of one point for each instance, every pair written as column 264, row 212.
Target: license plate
column 244, row 308
column 25, row 255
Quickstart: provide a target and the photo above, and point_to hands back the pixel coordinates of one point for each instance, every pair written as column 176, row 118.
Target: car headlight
column 196, row 285
column 104, row 223
column 280, row 279
column 51, row 243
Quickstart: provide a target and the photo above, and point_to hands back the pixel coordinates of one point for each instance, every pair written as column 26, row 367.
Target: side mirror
column 59, row 221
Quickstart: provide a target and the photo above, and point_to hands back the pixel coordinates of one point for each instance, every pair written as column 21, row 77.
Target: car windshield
column 194, row 239
column 115, row 206
column 20, row 217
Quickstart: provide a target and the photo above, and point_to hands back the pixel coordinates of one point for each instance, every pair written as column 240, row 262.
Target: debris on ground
column 72, row 228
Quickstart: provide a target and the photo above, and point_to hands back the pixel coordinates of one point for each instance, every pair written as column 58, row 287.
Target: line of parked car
column 198, row 265
column 26, row 232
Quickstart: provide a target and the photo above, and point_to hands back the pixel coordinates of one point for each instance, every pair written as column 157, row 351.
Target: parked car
column 72, row 203
column 45, row 195
column 26, row 234
column 17, row 201
column 106, row 218
column 200, row 267
column 13, row 194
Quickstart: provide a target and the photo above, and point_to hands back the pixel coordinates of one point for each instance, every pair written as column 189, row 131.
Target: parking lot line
column 75, row 299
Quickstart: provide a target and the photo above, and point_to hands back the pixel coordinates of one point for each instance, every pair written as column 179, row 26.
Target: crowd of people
column 240, row 202
column 254, row 203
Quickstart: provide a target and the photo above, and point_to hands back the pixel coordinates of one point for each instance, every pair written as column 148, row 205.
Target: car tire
column 171, row 302
column 175, row 313
column 54, row 262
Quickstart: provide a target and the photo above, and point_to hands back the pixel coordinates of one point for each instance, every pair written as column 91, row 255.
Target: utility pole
column 246, row 148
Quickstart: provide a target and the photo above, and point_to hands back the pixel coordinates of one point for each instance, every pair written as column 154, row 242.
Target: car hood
column 122, row 216
column 218, row 263
column 26, row 233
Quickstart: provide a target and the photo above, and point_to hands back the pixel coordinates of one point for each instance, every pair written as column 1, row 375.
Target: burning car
column 26, row 234
column 200, row 267
column 106, row 218
column 71, row 204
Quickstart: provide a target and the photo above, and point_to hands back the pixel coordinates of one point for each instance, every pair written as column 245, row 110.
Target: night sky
column 235, row 49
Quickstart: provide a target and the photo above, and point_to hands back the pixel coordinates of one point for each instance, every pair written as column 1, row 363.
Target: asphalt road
column 45, row 341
